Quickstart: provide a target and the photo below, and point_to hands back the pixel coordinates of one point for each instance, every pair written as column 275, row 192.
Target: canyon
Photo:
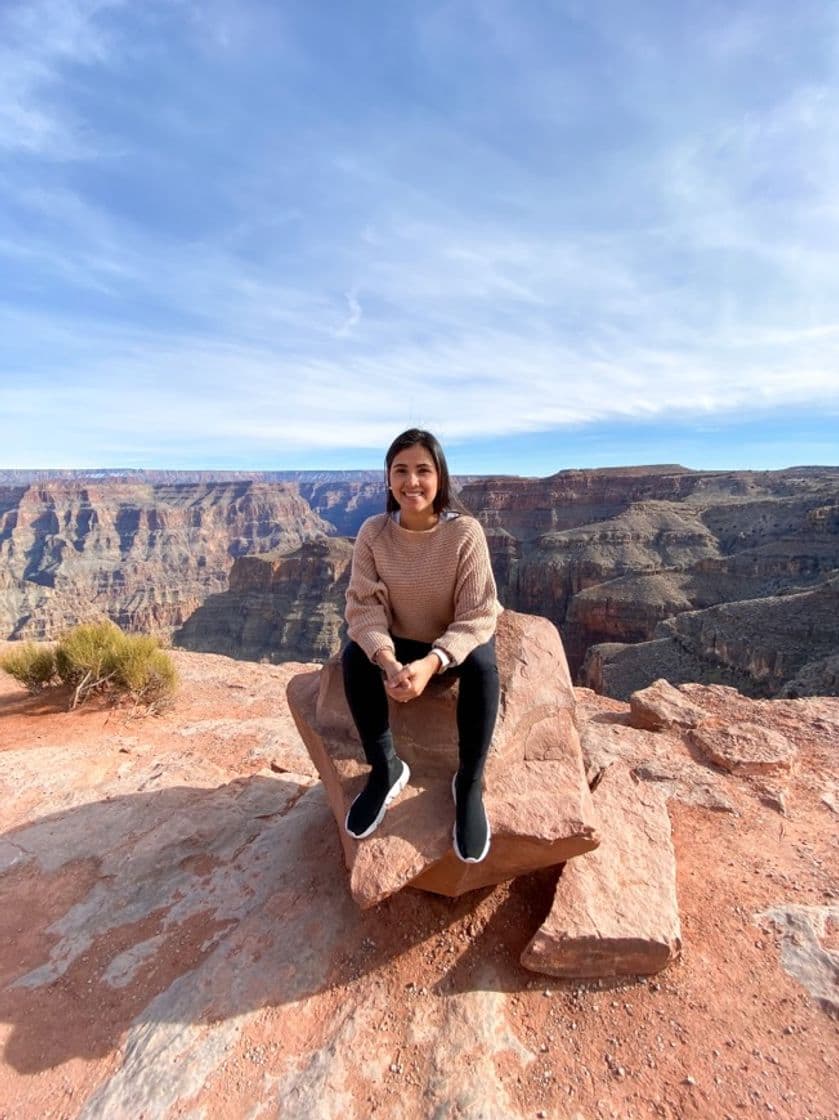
column 147, row 555
column 718, row 576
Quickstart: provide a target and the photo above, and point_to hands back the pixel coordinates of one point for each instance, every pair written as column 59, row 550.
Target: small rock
column 661, row 707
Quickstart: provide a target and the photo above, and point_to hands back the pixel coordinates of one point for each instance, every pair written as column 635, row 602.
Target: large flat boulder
column 615, row 911
column 745, row 748
column 537, row 797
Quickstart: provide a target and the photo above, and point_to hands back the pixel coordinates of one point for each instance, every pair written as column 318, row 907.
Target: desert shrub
column 97, row 657
column 31, row 664
column 86, row 657
column 145, row 671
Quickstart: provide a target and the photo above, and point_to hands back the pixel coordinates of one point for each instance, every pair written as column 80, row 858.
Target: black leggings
column 477, row 702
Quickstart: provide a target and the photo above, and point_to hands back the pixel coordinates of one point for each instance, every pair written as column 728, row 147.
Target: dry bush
column 97, row 657
column 32, row 665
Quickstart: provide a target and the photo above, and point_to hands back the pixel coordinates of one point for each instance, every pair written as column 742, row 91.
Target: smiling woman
column 421, row 601
column 413, row 481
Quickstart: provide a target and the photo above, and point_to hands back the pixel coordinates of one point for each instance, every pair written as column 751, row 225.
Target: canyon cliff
column 279, row 606
column 781, row 645
column 611, row 555
column 146, row 555
column 621, row 560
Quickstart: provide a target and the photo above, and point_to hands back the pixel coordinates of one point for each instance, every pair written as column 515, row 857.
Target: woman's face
column 414, row 482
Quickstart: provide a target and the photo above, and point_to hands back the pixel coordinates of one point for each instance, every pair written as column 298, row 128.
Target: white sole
column 462, row 858
column 394, row 791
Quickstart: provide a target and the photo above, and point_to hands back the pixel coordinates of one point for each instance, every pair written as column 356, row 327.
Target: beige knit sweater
column 434, row 586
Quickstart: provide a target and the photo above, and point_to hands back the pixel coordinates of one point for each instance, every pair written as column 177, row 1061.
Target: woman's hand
column 410, row 681
column 389, row 666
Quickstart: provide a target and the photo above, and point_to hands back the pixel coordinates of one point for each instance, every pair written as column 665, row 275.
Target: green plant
column 97, row 657
column 32, row 665
column 145, row 671
column 86, row 658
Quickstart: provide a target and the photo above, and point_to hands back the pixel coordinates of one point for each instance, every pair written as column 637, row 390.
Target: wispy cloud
column 42, row 40
column 255, row 230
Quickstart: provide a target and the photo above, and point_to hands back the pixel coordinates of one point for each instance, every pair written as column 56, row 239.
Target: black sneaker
column 368, row 809
column 471, row 833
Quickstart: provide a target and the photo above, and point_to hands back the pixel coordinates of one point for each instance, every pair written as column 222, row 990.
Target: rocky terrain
column 178, row 936
column 278, row 607
column 700, row 573
column 618, row 556
column 343, row 498
column 783, row 645
column 145, row 555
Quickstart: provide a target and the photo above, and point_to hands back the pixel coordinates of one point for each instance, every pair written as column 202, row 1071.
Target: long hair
column 445, row 498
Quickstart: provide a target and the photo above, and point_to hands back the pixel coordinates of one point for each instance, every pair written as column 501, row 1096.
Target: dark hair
column 445, row 498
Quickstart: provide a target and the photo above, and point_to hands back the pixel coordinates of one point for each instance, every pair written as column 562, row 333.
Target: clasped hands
column 407, row 682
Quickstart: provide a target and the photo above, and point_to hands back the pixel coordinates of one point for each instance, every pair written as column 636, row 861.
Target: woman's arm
column 368, row 612
column 476, row 606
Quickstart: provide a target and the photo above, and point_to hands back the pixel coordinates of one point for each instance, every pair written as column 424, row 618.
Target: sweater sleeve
column 476, row 606
column 368, row 612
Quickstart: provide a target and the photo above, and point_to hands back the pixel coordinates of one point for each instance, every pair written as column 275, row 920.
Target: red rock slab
column 615, row 911
column 661, row 707
column 537, row 798
column 745, row 748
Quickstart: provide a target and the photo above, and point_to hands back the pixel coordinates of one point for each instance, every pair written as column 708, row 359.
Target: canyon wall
column 279, row 607
column 610, row 555
column 779, row 646
column 146, row 555
column 621, row 560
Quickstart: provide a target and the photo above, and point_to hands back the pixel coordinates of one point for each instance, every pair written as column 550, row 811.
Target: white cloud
column 39, row 40
column 354, row 316
column 688, row 266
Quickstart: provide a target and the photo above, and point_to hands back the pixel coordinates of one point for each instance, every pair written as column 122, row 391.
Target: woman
column 421, row 601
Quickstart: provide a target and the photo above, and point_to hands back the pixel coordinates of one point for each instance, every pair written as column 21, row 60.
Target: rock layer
column 537, row 798
column 615, row 910
column 279, row 607
column 609, row 555
column 678, row 563
column 784, row 644
column 144, row 555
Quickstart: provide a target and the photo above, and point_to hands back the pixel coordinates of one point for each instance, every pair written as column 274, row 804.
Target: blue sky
column 273, row 235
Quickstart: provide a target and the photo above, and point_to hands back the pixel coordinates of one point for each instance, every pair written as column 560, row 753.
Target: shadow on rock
column 137, row 921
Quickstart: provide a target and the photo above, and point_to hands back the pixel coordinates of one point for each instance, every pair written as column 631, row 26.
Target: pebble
column 690, row 1080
